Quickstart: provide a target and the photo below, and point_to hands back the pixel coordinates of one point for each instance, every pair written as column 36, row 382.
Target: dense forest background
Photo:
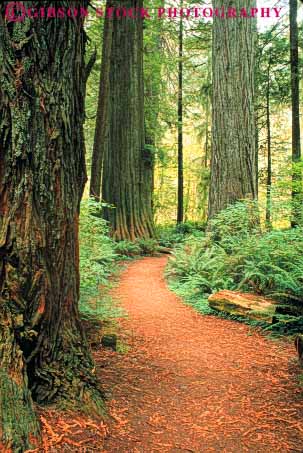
column 121, row 138
column 162, row 66
column 221, row 158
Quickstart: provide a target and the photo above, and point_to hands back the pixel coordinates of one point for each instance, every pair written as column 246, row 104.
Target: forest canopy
column 137, row 129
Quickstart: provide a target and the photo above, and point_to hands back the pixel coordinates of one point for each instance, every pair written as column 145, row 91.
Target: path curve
column 193, row 383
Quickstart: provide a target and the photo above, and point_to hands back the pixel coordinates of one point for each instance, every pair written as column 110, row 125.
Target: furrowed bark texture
column 180, row 206
column 233, row 163
column 126, row 169
column 43, row 351
column 101, row 130
column 152, row 93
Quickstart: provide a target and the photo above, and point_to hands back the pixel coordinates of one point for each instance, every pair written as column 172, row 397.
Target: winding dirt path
column 193, row 383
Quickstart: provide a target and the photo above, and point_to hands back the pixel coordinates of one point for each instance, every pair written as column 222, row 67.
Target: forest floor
column 186, row 382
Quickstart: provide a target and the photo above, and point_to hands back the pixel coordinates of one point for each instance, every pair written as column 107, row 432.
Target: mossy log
column 249, row 306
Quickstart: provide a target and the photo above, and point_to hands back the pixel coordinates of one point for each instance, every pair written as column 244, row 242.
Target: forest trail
column 193, row 383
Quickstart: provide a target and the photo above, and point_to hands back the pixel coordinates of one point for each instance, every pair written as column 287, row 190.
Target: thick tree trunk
column 43, row 351
column 233, row 163
column 152, row 94
column 180, row 207
column 295, row 98
column 102, row 126
column 124, row 182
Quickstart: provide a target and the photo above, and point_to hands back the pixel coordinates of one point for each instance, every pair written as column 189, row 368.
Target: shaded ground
column 190, row 383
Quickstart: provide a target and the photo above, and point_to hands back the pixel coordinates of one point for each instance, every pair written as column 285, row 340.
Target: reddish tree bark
column 43, row 351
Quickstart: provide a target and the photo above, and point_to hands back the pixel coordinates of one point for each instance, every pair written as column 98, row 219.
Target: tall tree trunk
column 102, row 126
column 207, row 136
column 269, row 160
column 124, row 183
column 180, row 209
column 148, row 173
column 295, row 99
column 204, row 178
column 152, row 93
column 233, row 163
column 257, row 92
column 43, row 351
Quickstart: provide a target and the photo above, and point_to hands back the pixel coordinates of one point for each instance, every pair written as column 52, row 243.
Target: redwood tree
column 43, row 352
column 127, row 165
column 233, row 163
column 180, row 208
column 269, row 151
column 295, row 109
column 101, row 130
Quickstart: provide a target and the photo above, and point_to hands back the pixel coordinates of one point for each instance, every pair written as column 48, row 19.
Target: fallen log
column 165, row 250
column 250, row 306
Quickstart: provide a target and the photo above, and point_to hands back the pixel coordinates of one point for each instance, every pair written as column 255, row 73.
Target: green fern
column 236, row 255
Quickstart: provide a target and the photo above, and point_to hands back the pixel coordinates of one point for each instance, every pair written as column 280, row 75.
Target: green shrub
column 235, row 255
column 127, row 249
column 189, row 227
column 237, row 221
column 141, row 247
column 147, row 246
column 170, row 235
column 97, row 260
column 273, row 265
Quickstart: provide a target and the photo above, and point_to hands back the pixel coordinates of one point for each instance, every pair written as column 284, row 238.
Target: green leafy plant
column 98, row 262
column 127, row 249
column 147, row 246
column 170, row 235
column 141, row 247
column 190, row 227
column 236, row 255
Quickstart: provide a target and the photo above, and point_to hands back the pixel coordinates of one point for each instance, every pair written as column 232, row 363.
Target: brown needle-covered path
column 193, row 383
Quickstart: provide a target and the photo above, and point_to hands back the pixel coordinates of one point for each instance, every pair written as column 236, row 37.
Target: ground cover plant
column 237, row 254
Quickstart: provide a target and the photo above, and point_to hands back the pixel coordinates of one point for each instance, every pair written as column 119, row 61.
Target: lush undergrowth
column 101, row 257
column 166, row 238
column 171, row 235
column 237, row 255
column 100, row 261
column 141, row 247
column 98, row 264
